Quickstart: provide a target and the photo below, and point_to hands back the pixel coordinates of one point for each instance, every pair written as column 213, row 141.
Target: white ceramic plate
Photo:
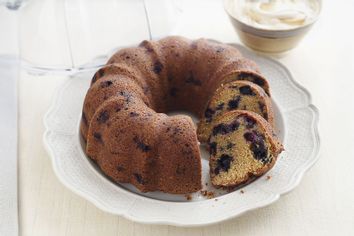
column 296, row 120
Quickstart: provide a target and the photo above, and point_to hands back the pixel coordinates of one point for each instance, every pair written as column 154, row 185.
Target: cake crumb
column 269, row 177
column 188, row 197
column 207, row 194
column 206, row 184
column 216, row 199
column 242, row 191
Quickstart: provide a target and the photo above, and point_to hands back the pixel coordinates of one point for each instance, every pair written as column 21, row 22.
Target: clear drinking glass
column 67, row 35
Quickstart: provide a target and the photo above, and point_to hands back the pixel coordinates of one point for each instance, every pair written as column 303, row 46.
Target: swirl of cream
column 276, row 14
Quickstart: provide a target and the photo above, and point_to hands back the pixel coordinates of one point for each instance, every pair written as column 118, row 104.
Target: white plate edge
column 296, row 177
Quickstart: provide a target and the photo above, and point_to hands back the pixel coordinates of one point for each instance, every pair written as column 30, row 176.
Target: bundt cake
column 236, row 95
column 124, row 124
column 242, row 145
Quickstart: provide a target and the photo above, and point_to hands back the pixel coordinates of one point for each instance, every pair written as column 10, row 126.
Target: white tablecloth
column 323, row 203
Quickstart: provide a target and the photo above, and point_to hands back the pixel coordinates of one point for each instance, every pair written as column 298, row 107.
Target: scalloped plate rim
column 295, row 178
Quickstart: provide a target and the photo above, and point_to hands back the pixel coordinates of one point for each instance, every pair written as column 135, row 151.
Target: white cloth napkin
column 8, row 146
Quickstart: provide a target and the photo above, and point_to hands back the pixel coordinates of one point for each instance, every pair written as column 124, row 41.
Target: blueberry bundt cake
column 124, row 124
column 236, row 95
column 242, row 145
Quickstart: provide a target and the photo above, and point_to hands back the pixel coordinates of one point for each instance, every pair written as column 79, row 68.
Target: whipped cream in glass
column 275, row 14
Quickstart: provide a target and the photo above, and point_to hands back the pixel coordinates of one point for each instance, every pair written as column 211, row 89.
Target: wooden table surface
column 322, row 204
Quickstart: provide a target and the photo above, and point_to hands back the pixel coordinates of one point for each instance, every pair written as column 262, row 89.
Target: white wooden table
column 323, row 203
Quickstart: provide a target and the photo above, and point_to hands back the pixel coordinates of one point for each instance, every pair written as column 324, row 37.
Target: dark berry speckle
column 126, row 95
column 118, row 107
column 139, row 178
column 103, row 117
column 233, row 104
column 141, row 145
column 176, row 130
column 257, row 146
column 246, row 90
column 259, row 81
column 97, row 136
column 264, row 113
column 253, row 78
column 105, row 84
column 212, row 148
column 260, row 151
column 223, row 163
column 133, row 114
column 250, row 136
column 158, row 67
column 250, row 122
column 209, row 114
column 243, row 76
column 230, row 145
column 225, row 128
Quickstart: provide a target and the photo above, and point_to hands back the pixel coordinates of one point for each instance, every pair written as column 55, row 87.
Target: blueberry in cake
column 236, row 95
column 242, row 146
column 129, row 136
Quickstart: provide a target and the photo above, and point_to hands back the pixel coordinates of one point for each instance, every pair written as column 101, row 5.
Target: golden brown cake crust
column 123, row 122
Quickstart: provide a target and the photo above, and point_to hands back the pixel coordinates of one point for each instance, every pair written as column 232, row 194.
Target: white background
column 323, row 204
